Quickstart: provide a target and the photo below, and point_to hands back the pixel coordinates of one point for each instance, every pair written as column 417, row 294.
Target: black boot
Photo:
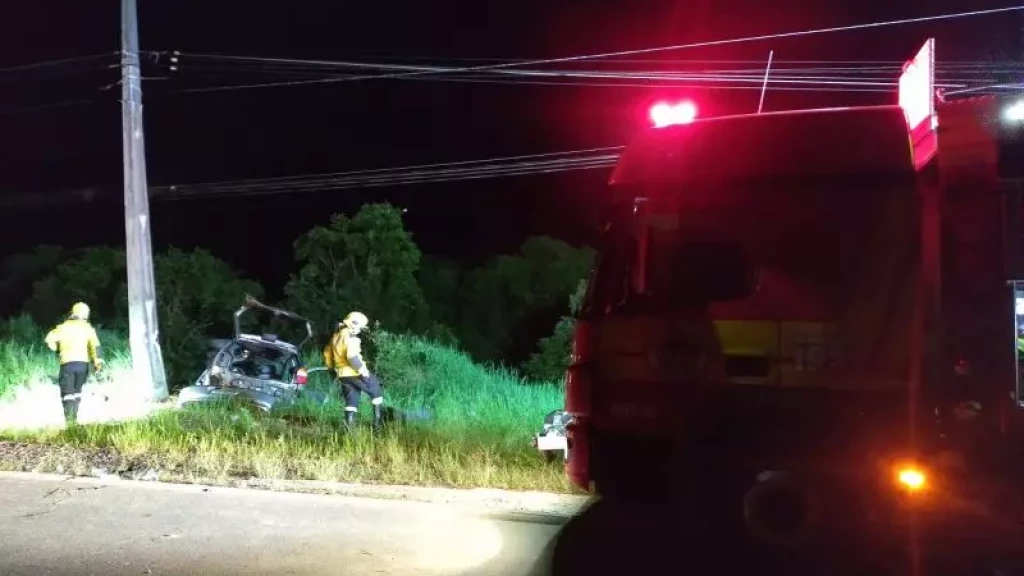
column 71, row 411
column 378, row 412
column 350, row 419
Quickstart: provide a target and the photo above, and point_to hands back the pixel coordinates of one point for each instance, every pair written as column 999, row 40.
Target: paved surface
column 81, row 527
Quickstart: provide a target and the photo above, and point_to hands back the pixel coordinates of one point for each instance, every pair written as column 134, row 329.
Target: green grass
column 481, row 421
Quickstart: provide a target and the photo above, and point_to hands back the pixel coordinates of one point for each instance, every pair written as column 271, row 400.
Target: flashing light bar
column 665, row 114
column 1014, row 112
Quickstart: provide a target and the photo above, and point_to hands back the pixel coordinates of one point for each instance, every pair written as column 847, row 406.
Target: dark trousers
column 72, row 379
column 354, row 385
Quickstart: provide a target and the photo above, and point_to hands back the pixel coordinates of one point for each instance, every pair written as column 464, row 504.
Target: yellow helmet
column 80, row 310
column 356, row 321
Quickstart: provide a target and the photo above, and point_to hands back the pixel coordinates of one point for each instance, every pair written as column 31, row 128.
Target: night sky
column 331, row 127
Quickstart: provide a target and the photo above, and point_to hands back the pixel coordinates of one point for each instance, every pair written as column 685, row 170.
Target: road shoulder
column 535, row 507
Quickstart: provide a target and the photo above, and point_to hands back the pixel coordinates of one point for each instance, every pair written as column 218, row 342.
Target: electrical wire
column 784, row 81
column 780, row 77
column 704, row 61
column 998, row 88
column 334, row 186
column 59, row 62
column 617, row 54
column 515, row 82
column 432, row 165
column 280, row 64
column 437, row 172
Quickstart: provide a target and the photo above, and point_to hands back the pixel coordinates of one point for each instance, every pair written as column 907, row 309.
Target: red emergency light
column 665, row 114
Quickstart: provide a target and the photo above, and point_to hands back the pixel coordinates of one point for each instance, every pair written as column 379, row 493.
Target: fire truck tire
column 612, row 537
column 754, row 505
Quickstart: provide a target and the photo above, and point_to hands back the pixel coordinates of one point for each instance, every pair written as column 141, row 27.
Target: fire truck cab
column 812, row 298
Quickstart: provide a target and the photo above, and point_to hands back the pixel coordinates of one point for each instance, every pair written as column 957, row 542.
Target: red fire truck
column 805, row 296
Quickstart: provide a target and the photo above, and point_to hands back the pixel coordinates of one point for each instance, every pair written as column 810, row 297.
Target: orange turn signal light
column 911, row 478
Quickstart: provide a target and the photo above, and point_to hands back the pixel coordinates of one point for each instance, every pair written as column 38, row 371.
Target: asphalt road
column 83, row 527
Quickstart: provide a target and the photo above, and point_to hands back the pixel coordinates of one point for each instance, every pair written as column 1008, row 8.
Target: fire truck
column 821, row 302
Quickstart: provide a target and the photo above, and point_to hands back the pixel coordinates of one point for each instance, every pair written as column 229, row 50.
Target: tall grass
column 27, row 365
column 473, row 428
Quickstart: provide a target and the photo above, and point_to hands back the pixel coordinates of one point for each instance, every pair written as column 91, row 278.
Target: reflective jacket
column 343, row 354
column 75, row 341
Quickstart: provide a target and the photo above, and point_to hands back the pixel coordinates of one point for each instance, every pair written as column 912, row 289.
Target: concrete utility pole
column 147, row 361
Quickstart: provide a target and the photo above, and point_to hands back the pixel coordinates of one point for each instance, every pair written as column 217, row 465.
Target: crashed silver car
column 261, row 371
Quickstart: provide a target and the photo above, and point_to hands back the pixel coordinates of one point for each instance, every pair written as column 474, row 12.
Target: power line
column 607, row 55
column 494, row 167
column 415, row 167
column 782, row 76
column 660, row 61
column 60, row 62
column 397, row 181
column 523, row 82
column 784, row 66
column 988, row 88
column 784, row 80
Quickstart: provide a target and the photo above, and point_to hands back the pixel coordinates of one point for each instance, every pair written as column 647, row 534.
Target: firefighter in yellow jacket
column 344, row 355
column 77, row 346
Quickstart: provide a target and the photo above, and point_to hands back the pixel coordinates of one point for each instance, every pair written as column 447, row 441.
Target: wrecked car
column 262, row 371
column 553, row 439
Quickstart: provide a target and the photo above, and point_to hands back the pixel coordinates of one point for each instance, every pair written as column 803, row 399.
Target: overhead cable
column 59, row 62
column 441, row 172
column 621, row 53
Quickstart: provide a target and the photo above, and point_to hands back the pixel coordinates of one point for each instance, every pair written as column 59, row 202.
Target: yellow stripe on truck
column 757, row 339
column 799, row 354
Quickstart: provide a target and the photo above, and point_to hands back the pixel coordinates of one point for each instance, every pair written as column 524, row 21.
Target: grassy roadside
column 481, row 420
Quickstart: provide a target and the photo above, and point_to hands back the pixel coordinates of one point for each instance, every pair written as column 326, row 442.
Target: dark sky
column 211, row 136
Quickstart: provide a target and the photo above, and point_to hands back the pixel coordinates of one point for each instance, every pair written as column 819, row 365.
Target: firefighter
column 77, row 346
column 343, row 354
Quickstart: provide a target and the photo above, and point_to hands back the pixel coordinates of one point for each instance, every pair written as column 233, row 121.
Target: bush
column 460, row 393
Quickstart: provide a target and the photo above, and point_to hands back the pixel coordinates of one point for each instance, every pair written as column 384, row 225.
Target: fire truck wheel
column 611, row 537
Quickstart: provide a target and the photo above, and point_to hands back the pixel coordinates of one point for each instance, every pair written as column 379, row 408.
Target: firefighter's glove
column 98, row 365
column 364, row 372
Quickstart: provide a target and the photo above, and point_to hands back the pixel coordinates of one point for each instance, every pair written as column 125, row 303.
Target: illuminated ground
column 80, row 527
column 38, row 405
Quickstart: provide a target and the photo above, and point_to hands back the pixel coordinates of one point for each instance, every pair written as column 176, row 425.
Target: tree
column 19, row 272
column 367, row 262
column 94, row 275
column 439, row 279
column 552, row 357
column 513, row 296
column 196, row 295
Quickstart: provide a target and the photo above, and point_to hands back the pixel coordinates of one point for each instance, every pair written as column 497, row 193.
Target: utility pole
column 147, row 361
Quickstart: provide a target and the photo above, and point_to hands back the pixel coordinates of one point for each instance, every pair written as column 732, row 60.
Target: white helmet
column 80, row 311
column 356, row 321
